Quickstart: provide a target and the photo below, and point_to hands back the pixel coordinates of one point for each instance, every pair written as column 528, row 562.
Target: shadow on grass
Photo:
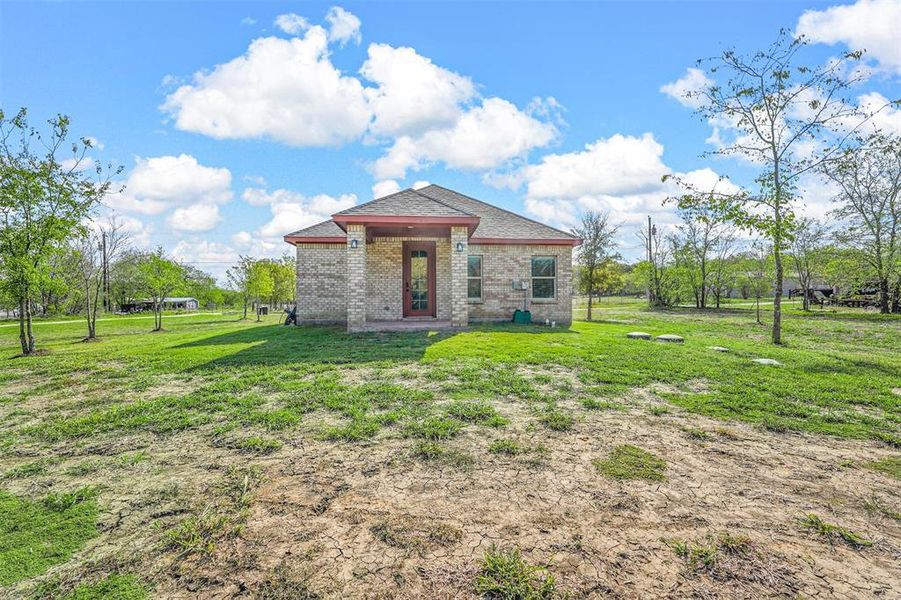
column 281, row 345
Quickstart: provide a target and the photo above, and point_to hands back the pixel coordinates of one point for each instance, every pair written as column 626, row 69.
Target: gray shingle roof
column 406, row 203
column 324, row 229
column 495, row 222
column 437, row 201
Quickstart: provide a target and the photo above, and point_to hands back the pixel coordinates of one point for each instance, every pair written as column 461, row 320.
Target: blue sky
column 547, row 109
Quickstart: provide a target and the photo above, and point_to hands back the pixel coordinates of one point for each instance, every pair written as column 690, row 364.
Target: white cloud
column 344, row 26
column 212, row 257
column 685, row 88
column 615, row 165
column 871, row 25
column 292, row 211
column 291, row 23
column 248, row 21
column 83, row 164
column 418, row 185
column 485, row 137
column 413, row 94
column 886, row 117
column 384, row 188
column 242, row 239
column 285, row 90
column 196, row 217
column 157, row 184
column 620, row 174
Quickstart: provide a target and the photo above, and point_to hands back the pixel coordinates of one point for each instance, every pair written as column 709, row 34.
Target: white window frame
column 553, row 278
column 481, row 278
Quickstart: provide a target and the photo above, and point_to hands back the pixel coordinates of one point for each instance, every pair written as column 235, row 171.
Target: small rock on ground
column 718, row 349
column 639, row 335
column 766, row 361
column 669, row 337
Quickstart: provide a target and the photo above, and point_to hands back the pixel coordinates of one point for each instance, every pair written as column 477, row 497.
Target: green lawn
column 251, row 388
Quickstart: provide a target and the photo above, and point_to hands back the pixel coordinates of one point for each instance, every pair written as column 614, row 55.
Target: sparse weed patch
column 728, row 557
column 658, row 409
column 433, row 428
column 890, row 466
column 32, row 469
column 480, row 413
column 435, row 452
column 832, row 532
column 631, row 462
column 283, row 583
column 694, row 433
column 504, row 575
column 596, row 404
column 556, row 419
column 413, row 535
column 357, row 430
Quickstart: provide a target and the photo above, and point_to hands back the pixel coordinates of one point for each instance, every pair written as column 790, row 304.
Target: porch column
column 356, row 276
column 459, row 306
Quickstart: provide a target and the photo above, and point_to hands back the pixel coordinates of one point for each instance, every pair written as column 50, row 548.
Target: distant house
column 431, row 254
column 168, row 304
column 181, row 303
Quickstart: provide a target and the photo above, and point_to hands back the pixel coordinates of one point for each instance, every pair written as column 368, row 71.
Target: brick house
column 430, row 255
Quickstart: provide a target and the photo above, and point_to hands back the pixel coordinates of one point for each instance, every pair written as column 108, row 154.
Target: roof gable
column 406, row 203
column 488, row 223
column 495, row 222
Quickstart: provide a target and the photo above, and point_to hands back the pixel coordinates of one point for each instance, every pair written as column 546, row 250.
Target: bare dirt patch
column 370, row 520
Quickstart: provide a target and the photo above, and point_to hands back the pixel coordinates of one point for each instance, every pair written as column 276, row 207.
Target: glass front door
column 419, row 279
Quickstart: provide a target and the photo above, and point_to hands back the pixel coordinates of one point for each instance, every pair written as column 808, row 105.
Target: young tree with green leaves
column 808, row 241
column 159, row 276
column 238, row 277
column 785, row 117
column 598, row 248
column 869, row 207
column 259, row 283
column 94, row 247
column 44, row 198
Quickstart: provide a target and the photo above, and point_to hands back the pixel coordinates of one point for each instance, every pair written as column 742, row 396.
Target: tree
column 657, row 272
column 869, row 179
column 159, row 276
column 780, row 110
column 43, row 201
column 705, row 236
column 259, row 282
column 238, row 277
column 807, row 242
column 758, row 270
column 597, row 235
column 94, row 249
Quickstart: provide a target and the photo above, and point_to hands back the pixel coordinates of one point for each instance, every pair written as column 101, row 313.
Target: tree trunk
column 26, row 337
column 589, row 304
column 883, row 295
column 777, row 298
column 758, row 310
column 245, row 310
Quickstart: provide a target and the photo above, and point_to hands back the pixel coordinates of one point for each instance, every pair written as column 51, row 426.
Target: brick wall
column 356, row 276
column 323, row 287
column 385, row 282
column 321, row 283
column 458, row 262
column 503, row 263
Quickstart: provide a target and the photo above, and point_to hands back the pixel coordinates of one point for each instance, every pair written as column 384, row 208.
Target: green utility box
column 523, row 317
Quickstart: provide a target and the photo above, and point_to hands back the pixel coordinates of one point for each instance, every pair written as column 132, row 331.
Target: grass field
column 232, row 458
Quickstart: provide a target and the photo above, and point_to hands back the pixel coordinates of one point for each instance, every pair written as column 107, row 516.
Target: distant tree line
column 57, row 258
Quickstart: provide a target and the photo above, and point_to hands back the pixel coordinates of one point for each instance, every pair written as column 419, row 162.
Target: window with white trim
column 544, row 277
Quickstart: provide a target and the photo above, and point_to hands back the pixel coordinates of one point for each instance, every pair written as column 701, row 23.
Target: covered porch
column 406, row 273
